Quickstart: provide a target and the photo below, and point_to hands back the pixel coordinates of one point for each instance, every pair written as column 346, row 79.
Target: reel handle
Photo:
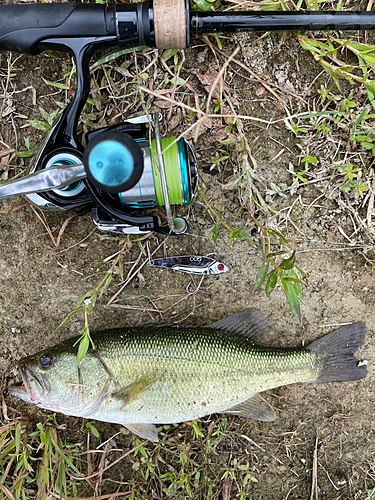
column 55, row 177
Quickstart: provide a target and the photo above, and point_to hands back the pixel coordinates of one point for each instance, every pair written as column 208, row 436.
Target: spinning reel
column 126, row 170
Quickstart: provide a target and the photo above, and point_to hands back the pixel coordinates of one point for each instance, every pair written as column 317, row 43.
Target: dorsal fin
column 251, row 323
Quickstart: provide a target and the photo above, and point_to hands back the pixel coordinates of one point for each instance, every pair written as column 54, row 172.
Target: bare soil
column 322, row 443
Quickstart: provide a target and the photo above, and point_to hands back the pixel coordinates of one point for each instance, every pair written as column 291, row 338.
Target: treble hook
column 193, row 292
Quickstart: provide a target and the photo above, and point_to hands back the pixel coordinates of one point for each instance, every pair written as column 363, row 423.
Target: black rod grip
column 230, row 22
column 24, row 27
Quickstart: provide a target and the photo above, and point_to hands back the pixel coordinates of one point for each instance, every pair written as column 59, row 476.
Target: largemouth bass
column 142, row 376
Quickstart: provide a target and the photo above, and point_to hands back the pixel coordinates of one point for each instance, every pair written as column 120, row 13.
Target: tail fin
column 336, row 353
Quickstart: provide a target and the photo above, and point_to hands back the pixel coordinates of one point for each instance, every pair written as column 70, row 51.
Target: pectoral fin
column 132, row 391
column 255, row 408
column 145, row 431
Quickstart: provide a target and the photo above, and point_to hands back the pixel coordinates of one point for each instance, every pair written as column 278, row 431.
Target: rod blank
column 214, row 22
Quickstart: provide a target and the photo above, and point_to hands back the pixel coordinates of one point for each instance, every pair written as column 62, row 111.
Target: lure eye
column 47, row 361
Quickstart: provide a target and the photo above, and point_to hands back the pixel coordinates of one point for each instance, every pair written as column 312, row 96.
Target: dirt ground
column 324, row 435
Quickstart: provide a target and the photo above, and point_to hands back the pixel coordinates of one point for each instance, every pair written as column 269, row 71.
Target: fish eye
column 47, row 361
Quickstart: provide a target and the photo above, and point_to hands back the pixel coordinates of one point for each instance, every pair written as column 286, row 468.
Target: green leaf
column 302, row 178
column 369, row 59
column 75, row 311
column 115, row 55
column 178, row 81
column 301, row 272
column 105, row 285
column 39, row 125
column 293, row 292
column 203, row 5
column 309, row 159
column 42, row 433
column 362, row 138
column 91, row 427
column 216, row 36
column 25, row 154
column 57, row 85
column 288, row 263
column 83, row 348
column 49, row 117
column 275, row 254
column 168, row 53
column 360, row 47
column 235, row 233
column 143, row 451
column 283, row 240
column 261, row 276
column 271, row 282
column 215, row 232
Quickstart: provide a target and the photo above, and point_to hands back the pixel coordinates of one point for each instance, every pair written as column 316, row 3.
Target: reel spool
column 148, row 193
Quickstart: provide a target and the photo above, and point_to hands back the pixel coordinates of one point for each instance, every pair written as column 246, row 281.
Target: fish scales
column 197, row 371
column 139, row 377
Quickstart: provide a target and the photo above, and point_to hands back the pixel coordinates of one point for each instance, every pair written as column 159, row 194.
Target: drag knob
column 113, row 161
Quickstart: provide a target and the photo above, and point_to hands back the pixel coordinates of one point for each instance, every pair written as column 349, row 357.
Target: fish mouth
column 34, row 388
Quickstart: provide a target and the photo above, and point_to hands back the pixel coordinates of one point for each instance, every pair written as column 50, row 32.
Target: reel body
column 164, row 174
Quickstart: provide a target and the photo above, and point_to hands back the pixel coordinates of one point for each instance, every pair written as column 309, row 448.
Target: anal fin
column 144, row 431
column 255, row 408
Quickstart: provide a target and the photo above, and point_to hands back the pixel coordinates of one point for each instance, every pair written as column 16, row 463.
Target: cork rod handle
column 171, row 24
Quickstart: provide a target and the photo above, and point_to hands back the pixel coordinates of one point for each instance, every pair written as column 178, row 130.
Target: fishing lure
column 193, row 264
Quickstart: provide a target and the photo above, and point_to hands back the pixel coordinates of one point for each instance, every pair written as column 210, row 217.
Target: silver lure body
column 192, row 264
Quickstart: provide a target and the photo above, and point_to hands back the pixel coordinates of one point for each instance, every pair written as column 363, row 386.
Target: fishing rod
column 127, row 170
